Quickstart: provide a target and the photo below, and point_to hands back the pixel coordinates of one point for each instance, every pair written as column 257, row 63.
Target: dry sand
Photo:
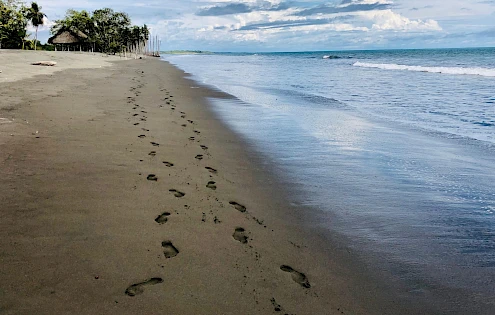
column 16, row 64
column 109, row 206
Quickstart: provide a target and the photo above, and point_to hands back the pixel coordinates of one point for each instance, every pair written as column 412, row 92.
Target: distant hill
column 187, row 52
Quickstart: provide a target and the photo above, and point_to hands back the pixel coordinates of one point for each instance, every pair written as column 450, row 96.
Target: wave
column 485, row 72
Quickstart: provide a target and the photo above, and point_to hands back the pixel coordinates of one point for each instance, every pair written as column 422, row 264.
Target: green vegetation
column 13, row 23
column 14, row 18
column 108, row 31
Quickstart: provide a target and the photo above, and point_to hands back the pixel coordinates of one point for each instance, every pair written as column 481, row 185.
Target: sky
column 301, row 25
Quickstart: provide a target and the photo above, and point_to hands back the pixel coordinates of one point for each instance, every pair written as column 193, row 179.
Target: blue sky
column 301, row 25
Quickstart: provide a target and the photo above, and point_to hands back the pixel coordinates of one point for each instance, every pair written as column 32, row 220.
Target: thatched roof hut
column 68, row 37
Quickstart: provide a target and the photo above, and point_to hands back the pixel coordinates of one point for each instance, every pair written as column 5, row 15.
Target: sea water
column 398, row 147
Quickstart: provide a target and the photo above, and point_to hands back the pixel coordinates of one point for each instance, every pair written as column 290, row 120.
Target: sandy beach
column 121, row 193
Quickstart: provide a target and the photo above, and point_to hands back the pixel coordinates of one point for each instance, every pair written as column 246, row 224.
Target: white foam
column 485, row 72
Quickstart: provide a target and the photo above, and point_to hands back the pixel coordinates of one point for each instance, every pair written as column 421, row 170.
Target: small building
column 69, row 40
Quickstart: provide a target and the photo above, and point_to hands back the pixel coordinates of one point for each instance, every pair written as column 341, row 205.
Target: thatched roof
column 68, row 37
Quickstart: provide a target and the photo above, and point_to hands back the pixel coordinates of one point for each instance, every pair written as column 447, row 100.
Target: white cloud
column 47, row 24
column 389, row 20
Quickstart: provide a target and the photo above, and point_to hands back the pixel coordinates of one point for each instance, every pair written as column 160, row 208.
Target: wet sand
column 121, row 193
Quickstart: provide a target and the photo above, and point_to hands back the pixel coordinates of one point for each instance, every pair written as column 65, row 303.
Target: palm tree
column 35, row 15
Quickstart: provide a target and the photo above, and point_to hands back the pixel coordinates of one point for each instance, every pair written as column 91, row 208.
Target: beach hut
column 69, row 40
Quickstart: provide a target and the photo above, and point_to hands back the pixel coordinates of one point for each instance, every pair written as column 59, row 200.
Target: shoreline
column 78, row 219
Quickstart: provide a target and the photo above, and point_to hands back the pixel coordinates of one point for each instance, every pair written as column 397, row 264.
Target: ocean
column 396, row 147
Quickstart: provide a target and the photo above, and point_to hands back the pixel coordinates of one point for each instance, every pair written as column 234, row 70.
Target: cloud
column 289, row 23
column 487, row 33
column 47, row 24
column 233, row 8
column 261, row 25
column 389, row 20
column 346, row 6
column 264, row 17
column 239, row 8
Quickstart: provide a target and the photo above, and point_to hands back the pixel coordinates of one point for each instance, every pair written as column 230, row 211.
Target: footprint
column 190, row 121
column 177, row 193
column 135, row 115
column 211, row 170
column 191, row 138
column 197, row 132
column 152, row 177
column 155, row 144
column 182, row 116
column 211, row 185
column 136, row 124
column 204, row 147
column 169, row 250
column 162, row 218
column 199, row 157
column 142, row 136
column 138, row 288
column 297, row 276
column 276, row 307
column 168, row 164
column 144, row 129
column 152, row 153
column 238, row 206
column 144, row 112
column 184, row 125
column 239, row 235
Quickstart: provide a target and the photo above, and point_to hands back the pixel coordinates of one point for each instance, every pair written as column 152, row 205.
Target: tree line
column 107, row 31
